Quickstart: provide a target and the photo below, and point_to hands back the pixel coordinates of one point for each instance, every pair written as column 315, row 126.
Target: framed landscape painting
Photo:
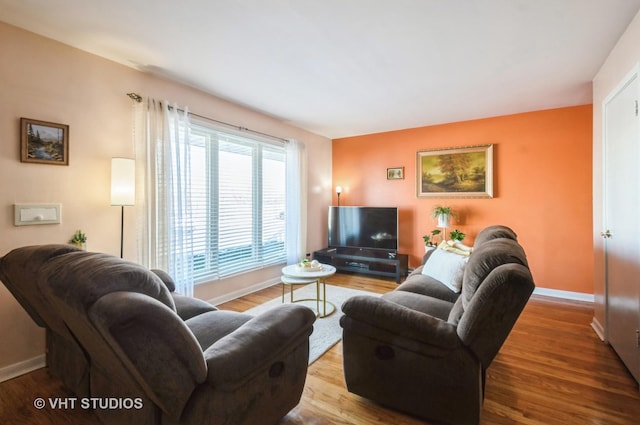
column 455, row 173
column 44, row 142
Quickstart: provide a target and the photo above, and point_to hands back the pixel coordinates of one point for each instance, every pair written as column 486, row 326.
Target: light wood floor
column 552, row 370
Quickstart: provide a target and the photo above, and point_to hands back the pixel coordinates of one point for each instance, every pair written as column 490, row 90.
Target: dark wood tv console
column 367, row 261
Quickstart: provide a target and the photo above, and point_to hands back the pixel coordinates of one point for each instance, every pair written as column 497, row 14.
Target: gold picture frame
column 44, row 142
column 465, row 172
column 395, row 173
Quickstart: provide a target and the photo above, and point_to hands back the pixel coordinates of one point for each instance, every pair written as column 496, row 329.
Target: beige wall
column 622, row 59
column 49, row 81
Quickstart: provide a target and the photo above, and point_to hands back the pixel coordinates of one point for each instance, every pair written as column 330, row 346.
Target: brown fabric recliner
column 218, row 366
column 404, row 351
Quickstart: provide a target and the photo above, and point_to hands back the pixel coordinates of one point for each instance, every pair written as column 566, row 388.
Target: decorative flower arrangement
column 78, row 239
column 306, row 263
column 443, row 214
column 309, row 265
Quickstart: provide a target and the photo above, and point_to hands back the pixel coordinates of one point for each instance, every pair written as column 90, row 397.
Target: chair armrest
column 188, row 307
column 400, row 321
column 258, row 344
column 154, row 344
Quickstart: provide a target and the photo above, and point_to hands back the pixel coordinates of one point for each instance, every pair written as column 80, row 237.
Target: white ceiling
column 349, row 67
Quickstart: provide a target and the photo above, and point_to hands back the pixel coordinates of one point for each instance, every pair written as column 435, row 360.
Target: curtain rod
column 137, row 98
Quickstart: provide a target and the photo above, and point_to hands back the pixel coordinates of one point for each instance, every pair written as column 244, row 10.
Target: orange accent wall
column 542, row 170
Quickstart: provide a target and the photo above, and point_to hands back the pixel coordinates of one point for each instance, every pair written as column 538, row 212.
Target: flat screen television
column 363, row 227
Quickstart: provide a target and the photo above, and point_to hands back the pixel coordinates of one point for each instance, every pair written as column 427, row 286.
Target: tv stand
column 378, row 262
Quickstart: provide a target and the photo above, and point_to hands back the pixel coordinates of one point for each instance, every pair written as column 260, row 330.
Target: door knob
column 606, row 234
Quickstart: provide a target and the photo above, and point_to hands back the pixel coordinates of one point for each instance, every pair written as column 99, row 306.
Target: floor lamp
column 123, row 191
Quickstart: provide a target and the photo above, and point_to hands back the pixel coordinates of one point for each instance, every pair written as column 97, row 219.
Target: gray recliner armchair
column 208, row 367
column 65, row 358
column 428, row 356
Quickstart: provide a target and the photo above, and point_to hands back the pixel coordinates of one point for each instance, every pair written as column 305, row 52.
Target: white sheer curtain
column 296, row 201
column 163, row 192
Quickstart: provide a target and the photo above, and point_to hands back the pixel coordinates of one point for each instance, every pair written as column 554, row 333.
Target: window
column 237, row 202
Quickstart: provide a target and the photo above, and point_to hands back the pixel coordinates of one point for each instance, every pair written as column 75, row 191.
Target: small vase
column 81, row 245
column 444, row 221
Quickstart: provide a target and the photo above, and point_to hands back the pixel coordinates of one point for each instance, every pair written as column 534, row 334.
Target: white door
column 622, row 221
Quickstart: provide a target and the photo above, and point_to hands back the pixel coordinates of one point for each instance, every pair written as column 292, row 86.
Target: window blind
column 237, row 201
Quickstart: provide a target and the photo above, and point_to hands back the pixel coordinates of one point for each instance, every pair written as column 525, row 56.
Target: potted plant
column 443, row 214
column 457, row 235
column 428, row 241
column 79, row 239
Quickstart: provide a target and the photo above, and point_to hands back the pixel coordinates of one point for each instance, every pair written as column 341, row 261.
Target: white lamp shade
column 338, row 190
column 123, row 181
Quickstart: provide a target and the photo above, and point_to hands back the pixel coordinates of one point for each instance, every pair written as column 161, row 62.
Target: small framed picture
column 395, row 173
column 44, row 142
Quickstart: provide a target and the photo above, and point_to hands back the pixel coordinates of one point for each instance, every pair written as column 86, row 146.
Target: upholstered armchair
column 428, row 356
column 161, row 358
column 65, row 358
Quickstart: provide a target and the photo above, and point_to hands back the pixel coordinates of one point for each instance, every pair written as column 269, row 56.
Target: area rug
column 326, row 330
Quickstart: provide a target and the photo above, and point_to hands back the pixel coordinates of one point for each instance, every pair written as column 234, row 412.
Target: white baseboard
column 26, row 366
column 568, row 295
column 598, row 329
column 555, row 293
column 244, row 291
